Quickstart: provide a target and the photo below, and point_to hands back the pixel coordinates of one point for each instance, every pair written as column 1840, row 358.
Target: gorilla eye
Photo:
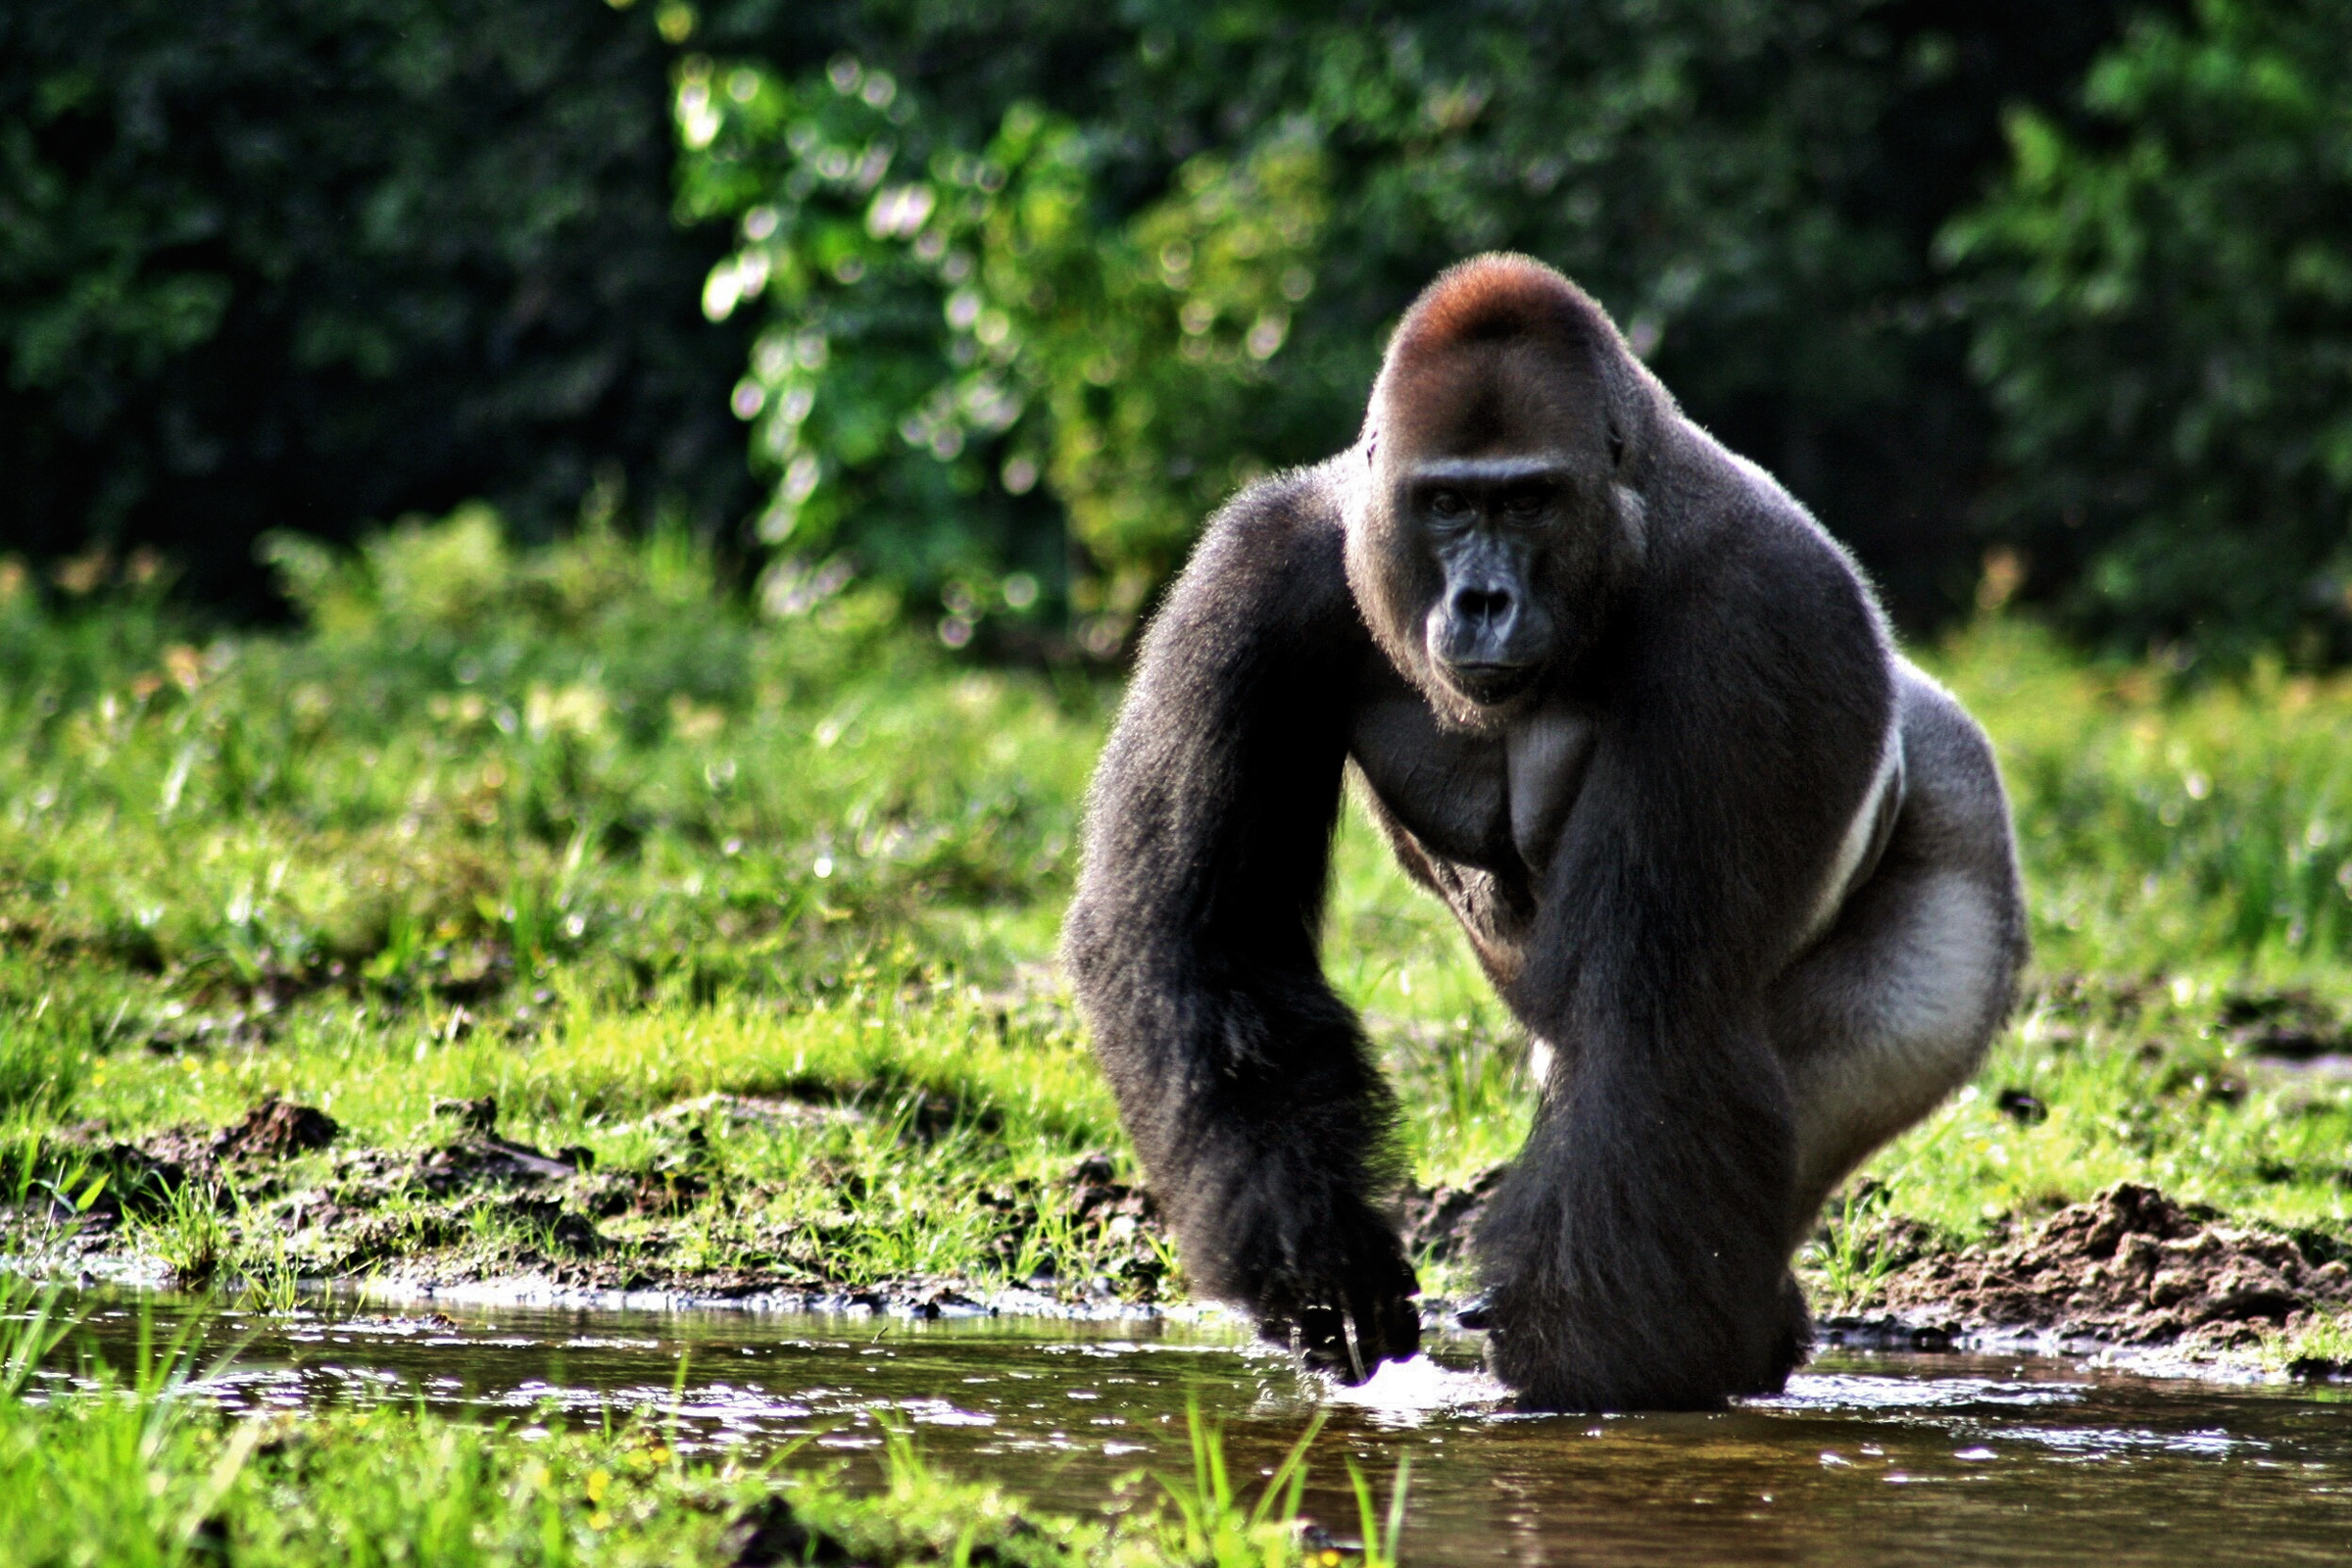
column 1447, row 504
column 1523, row 503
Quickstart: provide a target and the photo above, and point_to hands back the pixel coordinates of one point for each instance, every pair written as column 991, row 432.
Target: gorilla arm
column 1246, row 1083
column 1637, row 1256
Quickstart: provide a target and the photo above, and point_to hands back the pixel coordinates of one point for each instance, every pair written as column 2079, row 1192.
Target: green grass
column 578, row 830
column 2325, row 1338
column 575, row 829
column 128, row 1465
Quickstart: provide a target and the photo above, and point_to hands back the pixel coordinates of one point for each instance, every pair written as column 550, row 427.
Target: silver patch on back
column 1864, row 840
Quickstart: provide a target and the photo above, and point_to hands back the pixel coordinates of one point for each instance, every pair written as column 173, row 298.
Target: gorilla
column 1744, row 875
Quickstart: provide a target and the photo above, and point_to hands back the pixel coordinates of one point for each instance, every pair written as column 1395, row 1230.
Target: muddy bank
column 475, row 1216
column 277, row 1200
column 2132, row 1268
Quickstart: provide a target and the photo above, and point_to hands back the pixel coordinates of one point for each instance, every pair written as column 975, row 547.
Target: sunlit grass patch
column 2090, row 1088
column 2168, row 829
column 2319, row 1347
column 864, row 1138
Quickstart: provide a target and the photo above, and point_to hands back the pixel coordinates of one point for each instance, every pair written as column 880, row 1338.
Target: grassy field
column 574, row 831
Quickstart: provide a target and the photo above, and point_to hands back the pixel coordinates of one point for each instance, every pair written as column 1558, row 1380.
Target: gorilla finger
column 1327, row 1344
column 1386, row 1328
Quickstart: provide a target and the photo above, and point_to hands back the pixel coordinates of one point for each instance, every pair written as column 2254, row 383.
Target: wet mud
column 476, row 1211
column 2132, row 1269
column 2129, row 1269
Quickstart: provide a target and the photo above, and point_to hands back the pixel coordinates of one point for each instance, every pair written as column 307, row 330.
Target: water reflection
column 1866, row 1459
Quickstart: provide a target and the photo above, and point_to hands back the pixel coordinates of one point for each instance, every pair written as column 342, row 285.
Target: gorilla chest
column 1494, row 801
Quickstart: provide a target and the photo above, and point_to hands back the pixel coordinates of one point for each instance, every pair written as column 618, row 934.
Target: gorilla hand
column 1349, row 1316
column 1320, row 1271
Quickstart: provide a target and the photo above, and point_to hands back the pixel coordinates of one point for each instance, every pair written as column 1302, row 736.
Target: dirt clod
column 1096, row 1200
column 485, row 1161
column 2132, row 1266
column 274, row 1129
column 565, row 1230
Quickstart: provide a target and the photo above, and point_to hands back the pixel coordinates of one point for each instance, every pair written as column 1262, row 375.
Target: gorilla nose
column 1485, row 611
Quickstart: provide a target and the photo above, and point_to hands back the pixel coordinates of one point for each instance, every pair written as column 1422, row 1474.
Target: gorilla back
column 1744, row 875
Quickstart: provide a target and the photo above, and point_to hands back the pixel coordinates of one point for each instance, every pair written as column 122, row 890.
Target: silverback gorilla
column 1744, row 875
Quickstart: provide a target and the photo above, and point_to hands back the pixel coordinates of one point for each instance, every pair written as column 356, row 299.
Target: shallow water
column 1867, row 1459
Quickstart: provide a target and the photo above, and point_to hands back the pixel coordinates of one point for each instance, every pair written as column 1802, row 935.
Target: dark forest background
column 990, row 299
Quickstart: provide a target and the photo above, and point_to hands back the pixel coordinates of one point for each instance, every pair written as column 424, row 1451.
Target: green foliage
column 1845, row 1266
column 1216, row 1527
column 315, row 262
column 946, row 332
column 39, row 1068
column 266, row 264
column 188, row 1234
column 2166, row 828
column 2326, row 1338
column 486, row 759
column 2164, row 317
column 1381, row 1534
column 1011, row 304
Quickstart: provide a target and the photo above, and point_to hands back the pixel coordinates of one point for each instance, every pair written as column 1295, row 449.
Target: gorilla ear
column 1372, row 449
column 1616, row 446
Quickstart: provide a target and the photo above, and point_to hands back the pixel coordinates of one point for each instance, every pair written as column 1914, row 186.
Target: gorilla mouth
column 1490, row 685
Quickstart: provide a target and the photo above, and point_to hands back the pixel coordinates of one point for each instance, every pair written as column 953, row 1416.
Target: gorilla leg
column 1896, row 1005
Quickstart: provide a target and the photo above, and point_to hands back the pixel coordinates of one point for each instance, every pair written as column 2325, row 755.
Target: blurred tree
column 306, row 262
column 1752, row 189
column 2163, row 307
column 947, row 333
column 266, row 264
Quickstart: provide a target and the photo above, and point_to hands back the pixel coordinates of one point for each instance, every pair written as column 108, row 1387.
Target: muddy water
column 1867, row 1459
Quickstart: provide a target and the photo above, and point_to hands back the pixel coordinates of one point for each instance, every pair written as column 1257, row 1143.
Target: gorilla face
column 1489, row 524
column 1496, row 526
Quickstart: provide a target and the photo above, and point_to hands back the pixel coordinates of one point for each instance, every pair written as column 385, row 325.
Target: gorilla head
column 1496, row 526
